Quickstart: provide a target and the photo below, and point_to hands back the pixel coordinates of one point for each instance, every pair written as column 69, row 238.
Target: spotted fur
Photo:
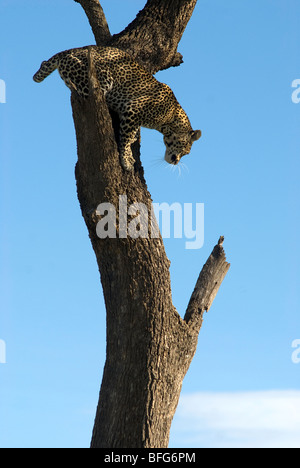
column 138, row 98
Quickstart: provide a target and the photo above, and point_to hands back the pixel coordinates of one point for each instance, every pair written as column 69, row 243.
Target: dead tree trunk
column 149, row 346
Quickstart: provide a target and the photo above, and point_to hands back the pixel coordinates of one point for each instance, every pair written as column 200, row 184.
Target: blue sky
column 240, row 60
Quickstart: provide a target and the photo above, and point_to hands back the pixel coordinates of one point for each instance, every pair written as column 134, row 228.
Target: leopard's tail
column 47, row 68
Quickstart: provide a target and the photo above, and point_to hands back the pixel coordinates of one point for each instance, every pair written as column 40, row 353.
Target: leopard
column 132, row 92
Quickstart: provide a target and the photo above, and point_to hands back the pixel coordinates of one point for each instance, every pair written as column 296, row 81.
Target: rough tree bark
column 149, row 346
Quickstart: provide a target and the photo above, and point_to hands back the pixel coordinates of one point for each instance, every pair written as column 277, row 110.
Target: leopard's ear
column 196, row 134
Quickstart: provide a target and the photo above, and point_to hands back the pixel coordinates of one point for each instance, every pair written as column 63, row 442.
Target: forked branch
column 152, row 37
column 97, row 20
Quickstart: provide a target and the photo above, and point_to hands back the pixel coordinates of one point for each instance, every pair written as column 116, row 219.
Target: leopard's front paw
column 127, row 162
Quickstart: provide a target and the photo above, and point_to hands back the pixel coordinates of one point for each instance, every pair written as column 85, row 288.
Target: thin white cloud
column 266, row 419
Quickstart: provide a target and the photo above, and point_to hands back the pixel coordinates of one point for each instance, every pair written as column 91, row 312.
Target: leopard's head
column 179, row 144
